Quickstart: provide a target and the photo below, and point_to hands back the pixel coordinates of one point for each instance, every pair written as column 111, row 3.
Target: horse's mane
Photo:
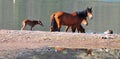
column 82, row 14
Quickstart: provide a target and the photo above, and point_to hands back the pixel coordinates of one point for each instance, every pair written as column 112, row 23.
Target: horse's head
column 89, row 12
column 40, row 23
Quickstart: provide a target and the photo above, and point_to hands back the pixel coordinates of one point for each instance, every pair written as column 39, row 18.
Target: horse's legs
column 66, row 29
column 78, row 27
column 32, row 28
column 81, row 29
column 23, row 26
column 73, row 28
column 51, row 28
column 58, row 24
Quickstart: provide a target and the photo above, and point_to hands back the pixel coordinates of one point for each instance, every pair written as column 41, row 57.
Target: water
column 12, row 12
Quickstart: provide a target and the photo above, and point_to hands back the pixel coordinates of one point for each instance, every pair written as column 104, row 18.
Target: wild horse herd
column 70, row 20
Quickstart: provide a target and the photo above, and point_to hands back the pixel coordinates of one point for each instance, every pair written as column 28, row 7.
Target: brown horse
column 74, row 19
column 31, row 23
column 81, row 29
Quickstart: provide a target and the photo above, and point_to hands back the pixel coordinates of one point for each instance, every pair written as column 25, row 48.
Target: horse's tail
column 52, row 20
column 53, row 25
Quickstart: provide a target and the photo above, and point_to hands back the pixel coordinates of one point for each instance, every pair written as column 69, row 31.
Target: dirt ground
column 15, row 43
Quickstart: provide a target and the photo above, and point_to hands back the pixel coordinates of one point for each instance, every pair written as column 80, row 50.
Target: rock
column 108, row 32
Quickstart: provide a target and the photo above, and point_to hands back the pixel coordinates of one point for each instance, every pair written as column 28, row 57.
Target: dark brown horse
column 74, row 19
column 31, row 23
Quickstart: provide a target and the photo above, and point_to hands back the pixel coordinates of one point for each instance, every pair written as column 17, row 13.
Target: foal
column 31, row 23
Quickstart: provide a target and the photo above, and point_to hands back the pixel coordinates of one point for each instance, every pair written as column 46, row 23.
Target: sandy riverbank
column 13, row 41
